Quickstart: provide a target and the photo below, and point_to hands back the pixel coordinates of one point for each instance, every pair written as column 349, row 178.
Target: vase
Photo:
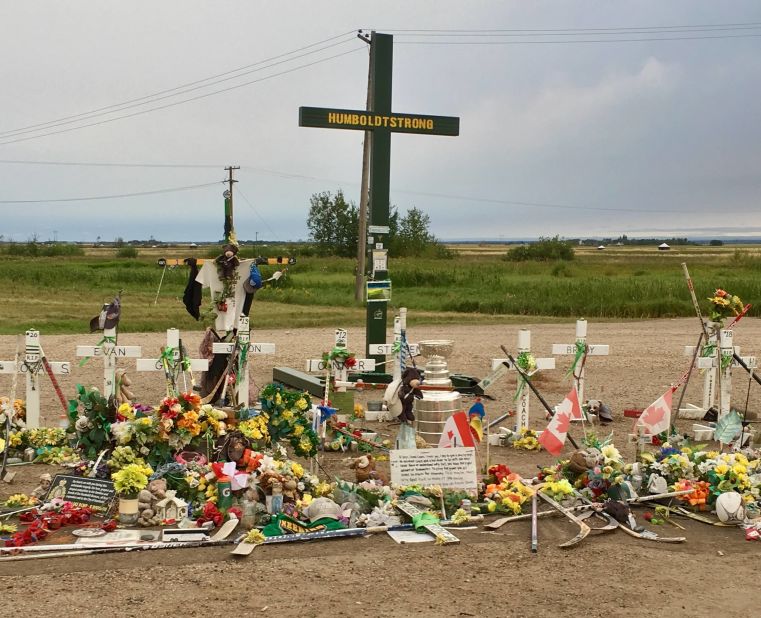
column 128, row 512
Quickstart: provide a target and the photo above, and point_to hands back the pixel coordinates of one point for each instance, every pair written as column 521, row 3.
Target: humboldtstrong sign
column 362, row 121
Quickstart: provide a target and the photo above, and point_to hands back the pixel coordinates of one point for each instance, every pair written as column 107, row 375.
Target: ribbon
column 526, row 362
column 84, row 361
column 424, row 519
column 242, row 356
column 581, row 349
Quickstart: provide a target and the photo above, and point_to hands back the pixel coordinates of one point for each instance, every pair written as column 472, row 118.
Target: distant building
column 663, row 247
column 601, row 247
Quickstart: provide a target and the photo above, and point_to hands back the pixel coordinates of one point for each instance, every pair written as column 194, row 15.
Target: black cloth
column 193, row 295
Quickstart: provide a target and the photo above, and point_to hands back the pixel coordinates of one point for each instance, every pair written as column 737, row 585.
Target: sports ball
column 730, row 508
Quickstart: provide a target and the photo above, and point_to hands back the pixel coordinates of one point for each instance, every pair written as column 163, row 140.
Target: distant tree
column 545, row 250
column 716, row 243
column 333, row 224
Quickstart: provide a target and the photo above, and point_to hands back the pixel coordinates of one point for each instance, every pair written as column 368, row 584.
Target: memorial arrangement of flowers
column 724, row 305
column 340, row 355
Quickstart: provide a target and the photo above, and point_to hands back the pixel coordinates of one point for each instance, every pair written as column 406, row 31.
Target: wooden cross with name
column 244, row 342
column 502, row 365
column 378, row 122
column 108, row 349
column 172, row 349
column 32, row 366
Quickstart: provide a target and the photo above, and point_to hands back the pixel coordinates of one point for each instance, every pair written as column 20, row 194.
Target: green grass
column 60, row 295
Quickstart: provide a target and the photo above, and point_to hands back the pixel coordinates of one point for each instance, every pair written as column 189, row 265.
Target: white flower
column 121, row 431
column 300, row 486
column 610, row 454
column 82, row 424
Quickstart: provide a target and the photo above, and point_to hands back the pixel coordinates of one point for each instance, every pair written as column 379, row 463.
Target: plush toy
column 124, row 395
column 365, row 470
column 290, row 487
column 228, row 262
column 581, row 461
column 600, row 410
column 408, row 392
column 268, row 479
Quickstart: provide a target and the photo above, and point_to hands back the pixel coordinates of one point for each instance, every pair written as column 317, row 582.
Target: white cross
column 109, row 351
column 172, row 343
column 711, row 364
column 387, row 349
column 339, row 370
column 500, row 366
column 32, row 367
column 244, row 337
column 592, row 350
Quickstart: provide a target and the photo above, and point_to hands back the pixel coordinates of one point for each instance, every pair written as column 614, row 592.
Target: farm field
column 59, row 294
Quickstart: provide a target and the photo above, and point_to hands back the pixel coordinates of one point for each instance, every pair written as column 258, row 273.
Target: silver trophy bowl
column 437, row 351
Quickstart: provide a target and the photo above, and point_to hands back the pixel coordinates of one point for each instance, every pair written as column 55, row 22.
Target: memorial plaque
column 98, row 494
column 451, row 468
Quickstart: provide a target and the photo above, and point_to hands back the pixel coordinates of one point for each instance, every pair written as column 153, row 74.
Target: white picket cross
column 33, row 368
column 564, row 349
column 337, row 368
column 173, row 343
column 387, row 349
column 244, row 337
column 710, row 364
column 542, row 364
column 109, row 351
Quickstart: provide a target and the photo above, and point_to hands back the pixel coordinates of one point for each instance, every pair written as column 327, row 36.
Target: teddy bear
column 228, row 262
column 408, row 392
column 290, row 487
column 364, row 468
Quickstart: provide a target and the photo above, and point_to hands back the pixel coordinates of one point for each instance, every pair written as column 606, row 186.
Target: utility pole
column 228, row 195
column 359, row 284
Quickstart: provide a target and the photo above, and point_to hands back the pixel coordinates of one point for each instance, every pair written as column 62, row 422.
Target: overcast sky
column 652, row 137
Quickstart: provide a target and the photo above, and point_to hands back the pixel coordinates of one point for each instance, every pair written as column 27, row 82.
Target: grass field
column 60, row 294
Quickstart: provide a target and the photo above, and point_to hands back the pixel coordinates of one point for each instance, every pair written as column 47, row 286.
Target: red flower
column 350, row 362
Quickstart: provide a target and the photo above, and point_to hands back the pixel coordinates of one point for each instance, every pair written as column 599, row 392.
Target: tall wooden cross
column 378, row 122
column 109, row 351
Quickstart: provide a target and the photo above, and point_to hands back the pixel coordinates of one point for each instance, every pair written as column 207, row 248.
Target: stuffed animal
column 124, row 395
column 228, row 262
column 365, row 470
column 290, row 487
column 600, row 410
column 408, row 392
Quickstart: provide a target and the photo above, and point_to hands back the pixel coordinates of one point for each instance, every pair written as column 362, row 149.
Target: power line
column 245, row 199
column 190, row 86
column 95, row 164
column 112, row 197
column 196, row 98
column 738, row 25
column 581, row 41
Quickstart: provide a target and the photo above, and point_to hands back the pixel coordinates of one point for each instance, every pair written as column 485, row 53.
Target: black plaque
column 98, row 494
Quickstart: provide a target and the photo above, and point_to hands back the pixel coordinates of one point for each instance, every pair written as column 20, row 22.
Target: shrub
column 545, row 250
column 127, row 251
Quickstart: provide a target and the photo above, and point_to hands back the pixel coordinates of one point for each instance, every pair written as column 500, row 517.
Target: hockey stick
column 584, row 529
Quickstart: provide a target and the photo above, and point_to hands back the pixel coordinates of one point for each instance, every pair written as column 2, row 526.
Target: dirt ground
column 487, row 574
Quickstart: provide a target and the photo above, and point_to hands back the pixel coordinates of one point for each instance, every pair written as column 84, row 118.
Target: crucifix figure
column 378, row 122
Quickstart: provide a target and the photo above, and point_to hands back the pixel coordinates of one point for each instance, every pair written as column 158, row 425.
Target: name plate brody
column 594, row 350
column 98, row 494
column 452, row 468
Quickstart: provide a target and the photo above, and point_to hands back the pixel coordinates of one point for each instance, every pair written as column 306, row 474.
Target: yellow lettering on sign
column 407, row 123
column 363, row 120
column 377, row 122
column 331, row 116
column 429, row 124
column 392, row 122
column 355, row 119
column 385, row 121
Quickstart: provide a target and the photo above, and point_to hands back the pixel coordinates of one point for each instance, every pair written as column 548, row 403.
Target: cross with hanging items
column 529, row 366
column 32, row 366
column 244, row 348
column 378, row 122
column 580, row 350
column 110, row 351
column 400, row 351
column 174, row 362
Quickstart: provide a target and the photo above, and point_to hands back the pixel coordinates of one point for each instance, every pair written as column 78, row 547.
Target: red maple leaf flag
column 456, row 431
column 553, row 438
column 571, row 405
column 657, row 416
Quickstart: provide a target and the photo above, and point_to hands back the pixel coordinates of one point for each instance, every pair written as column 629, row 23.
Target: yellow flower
column 712, row 454
column 16, row 439
column 126, row 410
column 146, row 420
column 297, row 469
column 2, row 444
column 278, row 399
column 739, row 469
column 491, row 506
column 721, row 469
column 302, row 404
column 288, row 415
column 298, row 430
column 255, row 537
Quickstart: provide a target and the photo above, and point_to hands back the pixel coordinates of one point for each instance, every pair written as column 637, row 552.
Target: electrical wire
column 581, row 41
column 196, row 98
column 245, row 199
column 95, row 164
column 116, row 196
column 737, row 25
column 183, row 88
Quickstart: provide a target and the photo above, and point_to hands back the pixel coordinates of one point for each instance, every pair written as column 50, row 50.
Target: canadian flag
column 571, row 405
column 553, row 438
column 456, row 431
column 657, row 416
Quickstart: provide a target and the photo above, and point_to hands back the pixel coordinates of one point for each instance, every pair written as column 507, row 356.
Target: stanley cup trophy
column 433, row 410
column 437, row 352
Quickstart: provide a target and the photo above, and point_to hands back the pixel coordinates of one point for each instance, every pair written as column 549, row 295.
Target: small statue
column 124, row 395
column 42, row 489
column 147, row 499
column 600, row 410
column 365, row 470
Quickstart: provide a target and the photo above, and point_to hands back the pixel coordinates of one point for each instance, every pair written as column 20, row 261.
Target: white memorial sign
column 451, row 468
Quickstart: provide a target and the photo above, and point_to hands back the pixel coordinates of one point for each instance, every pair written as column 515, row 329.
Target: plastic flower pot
column 128, row 513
